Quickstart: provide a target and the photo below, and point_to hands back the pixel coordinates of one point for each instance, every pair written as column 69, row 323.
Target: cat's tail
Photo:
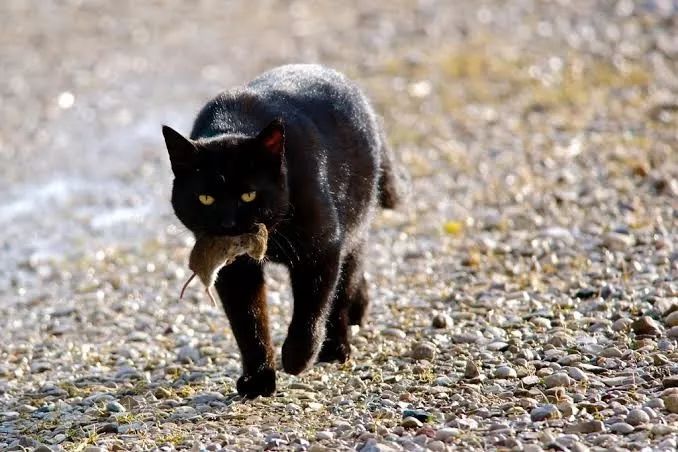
column 394, row 182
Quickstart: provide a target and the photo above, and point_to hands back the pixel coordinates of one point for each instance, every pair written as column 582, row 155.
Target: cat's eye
column 206, row 199
column 249, row 196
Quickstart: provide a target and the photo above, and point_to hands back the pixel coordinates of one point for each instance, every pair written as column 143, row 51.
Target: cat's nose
column 228, row 224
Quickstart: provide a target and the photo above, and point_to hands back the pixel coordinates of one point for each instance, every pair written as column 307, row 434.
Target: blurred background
column 542, row 142
column 86, row 85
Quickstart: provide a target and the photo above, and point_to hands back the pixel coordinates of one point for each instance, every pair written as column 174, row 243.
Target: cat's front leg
column 243, row 294
column 313, row 286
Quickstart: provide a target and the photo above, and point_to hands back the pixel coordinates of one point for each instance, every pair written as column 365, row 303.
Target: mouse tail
column 183, row 289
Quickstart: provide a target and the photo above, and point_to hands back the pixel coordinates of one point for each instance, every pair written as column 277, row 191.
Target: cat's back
column 303, row 83
column 295, row 92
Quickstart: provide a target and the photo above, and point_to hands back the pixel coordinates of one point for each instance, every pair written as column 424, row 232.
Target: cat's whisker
column 282, row 250
column 291, row 245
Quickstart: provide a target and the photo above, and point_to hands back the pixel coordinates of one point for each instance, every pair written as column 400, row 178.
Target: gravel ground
column 525, row 298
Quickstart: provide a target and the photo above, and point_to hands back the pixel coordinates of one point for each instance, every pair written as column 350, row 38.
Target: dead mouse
column 211, row 253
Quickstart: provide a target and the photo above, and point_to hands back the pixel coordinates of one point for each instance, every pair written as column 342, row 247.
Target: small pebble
column 530, row 380
column 637, row 417
column 671, row 402
column 671, row 320
column 394, row 332
column 611, row 352
column 621, row 427
column 423, row 350
column 558, row 379
column 324, row 435
column 544, row 412
column 586, row 427
column 577, row 374
column 436, row 445
column 670, row 381
column 115, row 407
column 446, row 433
column 505, row 372
column 441, row 321
column 411, row 422
column 646, row 326
column 471, row 370
column 622, row 324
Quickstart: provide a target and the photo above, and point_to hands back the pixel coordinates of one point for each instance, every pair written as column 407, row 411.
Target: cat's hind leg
column 313, row 287
column 349, row 308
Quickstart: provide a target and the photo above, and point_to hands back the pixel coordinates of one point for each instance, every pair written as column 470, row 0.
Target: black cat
column 299, row 149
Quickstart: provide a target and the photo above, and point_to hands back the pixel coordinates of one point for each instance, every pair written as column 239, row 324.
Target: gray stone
column 108, row 427
column 98, row 397
column 647, row 326
column 183, row 412
column 441, row 321
column 558, row 379
column 622, row 380
column 115, row 407
column 498, row 346
column 43, row 448
column 544, row 412
column 657, row 404
column 671, row 320
column 617, row 241
column 577, row 374
column 621, row 428
column 372, row 445
column 9, row 415
column 447, row 433
column 324, row 435
column 58, row 438
column 188, row 354
column 394, row 332
column 530, row 380
column 471, row 371
column 411, row 422
column 586, row 427
column 40, row 366
column 670, row 382
column 505, row 372
column 637, row 417
column 671, row 402
column 423, row 350
column 611, row 352
column 436, row 445
column 443, row 381
column 622, row 324
column 207, row 397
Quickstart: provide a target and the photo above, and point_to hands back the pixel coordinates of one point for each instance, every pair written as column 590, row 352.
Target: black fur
column 307, row 141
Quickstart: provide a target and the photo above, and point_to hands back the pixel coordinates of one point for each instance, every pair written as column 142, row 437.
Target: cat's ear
column 181, row 150
column 273, row 137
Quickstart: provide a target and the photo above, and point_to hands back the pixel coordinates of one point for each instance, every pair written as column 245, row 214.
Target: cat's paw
column 298, row 355
column 261, row 383
column 334, row 351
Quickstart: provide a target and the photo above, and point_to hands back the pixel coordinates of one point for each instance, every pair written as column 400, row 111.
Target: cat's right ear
column 181, row 151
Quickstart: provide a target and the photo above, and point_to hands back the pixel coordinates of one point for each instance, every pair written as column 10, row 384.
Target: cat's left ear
column 273, row 137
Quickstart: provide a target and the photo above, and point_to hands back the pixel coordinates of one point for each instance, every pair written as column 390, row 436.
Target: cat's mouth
column 232, row 231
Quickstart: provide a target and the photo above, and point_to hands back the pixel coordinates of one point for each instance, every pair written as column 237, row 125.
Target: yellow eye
column 249, row 196
column 206, row 199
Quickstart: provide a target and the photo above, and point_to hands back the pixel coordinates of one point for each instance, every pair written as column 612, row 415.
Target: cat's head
column 227, row 184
